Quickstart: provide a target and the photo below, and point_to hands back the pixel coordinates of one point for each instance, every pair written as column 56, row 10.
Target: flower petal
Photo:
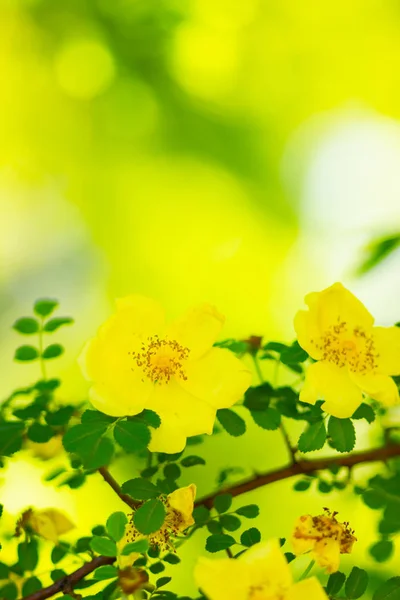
column 197, row 329
column 61, row 521
column 380, row 387
column 309, row 588
column 140, row 314
column 182, row 500
column 44, row 526
column 267, row 565
column 218, row 378
column 333, row 384
column 327, row 554
column 308, row 333
column 223, row 579
column 117, row 403
column 387, row 346
column 169, row 437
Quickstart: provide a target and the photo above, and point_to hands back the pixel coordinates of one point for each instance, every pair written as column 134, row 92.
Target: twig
column 304, row 467
column 66, row 584
column 108, row 478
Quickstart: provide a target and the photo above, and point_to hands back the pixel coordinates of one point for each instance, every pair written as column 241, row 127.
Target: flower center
column 344, row 346
column 161, row 359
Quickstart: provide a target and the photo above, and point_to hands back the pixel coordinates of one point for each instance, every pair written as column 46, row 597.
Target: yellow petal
column 44, row 526
column 223, row 579
column 327, row 554
column 197, row 329
column 380, row 387
column 387, row 347
column 169, row 437
column 309, row 589
column 182, row 500
column 117, row 403
column 337, row 304
column 140, row 314
column 267, row 564
column 218, row 378
column 334, row 385
column 303, row 539
column 60, row 520
column 308, row 332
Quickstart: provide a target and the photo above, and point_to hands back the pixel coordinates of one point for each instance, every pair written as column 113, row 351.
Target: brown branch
column 66, row 584
column 108, row 478
column 304, row 467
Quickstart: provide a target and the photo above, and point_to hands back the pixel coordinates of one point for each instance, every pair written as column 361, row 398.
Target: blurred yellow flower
column 137, row 362
column 353, row 356
column 325, row 538
column 179, row 507
column 261, row 573
column 46, row 450
column 49, row 523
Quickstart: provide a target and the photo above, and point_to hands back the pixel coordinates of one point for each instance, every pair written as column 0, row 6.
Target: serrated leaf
column 26, row 325
column 76, row 435
column 132, row 436
column 56, row 323
column 96, row 452
column 251, row 511
column 356, row 583
column 191, row 461
column 52, row 351
column 342, row 434
column 231, row 422
column 222, row 502
column 335, row 583
column 103, row 546
column 250, row 537
column 313, row 438
column 364, row 411
column 219, row 541
column 116, row 524
column 139, row 546
column 269, row 418
column 140, row 489
column 26, row 353
column 150, row 516
column 390, row 590
column 45, row 306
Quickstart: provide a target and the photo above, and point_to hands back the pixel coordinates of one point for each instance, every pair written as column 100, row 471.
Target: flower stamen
column 161, row 359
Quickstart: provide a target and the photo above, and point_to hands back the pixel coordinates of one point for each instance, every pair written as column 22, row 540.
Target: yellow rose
column 325, row 538
column 136, row 361
column 353, row 356
column 261, row 573
column 179, row 516
column 49, row 523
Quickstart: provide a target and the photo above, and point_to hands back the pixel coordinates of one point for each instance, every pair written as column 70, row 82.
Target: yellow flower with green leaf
column 352, row 355
column 137, row 362
column 261, row 573
column 324, row 537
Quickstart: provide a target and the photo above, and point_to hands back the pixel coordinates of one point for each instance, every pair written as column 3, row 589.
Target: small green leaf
column 26, row 353
column 313, row 438
column 9, row 591
column 31, row 585
column 269, row 418
column 52, row 351
column 201, row 515
column 60, row 416
column 140, row 546
column 230, row 522
column 96, row 417
column 151, row 418
column 172, row 559
column 191, row 461
column 258, row 398
column 172, row 471
column 251, row 511
column 45, row 306
column 116, row 524
column 162, row 581
column 364, row 411
column 140, row 489
column 382, row 550
column 231, row 422
column 223, row 502
column 96, row 452
column 78, row 434
column 356, row 583
column 40, row 433
column 342, row 434
column 58, row 554
column 150, row 516
column 250, row 537
column 105, row 572
column 157, row 567
column 56, row 323
column 302, row 485
column 26, row 325
column 219, row 541
column 132, row 436
column 335, row 583
column 28, row 556
column 390, row 590
column 11, row 433
column 104, row 546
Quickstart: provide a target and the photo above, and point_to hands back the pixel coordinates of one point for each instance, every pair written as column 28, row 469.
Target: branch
column 304, row 467
column 66, row 584
column 108, row 478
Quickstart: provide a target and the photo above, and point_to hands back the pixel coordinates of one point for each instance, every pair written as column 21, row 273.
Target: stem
column 308, row 570
column 108, row 478
column 42, row 363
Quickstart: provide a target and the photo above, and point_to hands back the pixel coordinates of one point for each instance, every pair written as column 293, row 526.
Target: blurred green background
column 241, row 153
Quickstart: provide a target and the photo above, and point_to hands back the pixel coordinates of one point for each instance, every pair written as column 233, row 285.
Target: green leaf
column 45, row 306
column 52, row 351
column 269, row 418
column 132, row 436
column 258, row 398
column 172, row 471
column 96, row 417
column 11, row 433
column 56, row 323
column 116, row 524
column 9, row 591
column 250, row 537
column 250, row 511
column 364, row 411
column 31, row 585
column 201, row 515
column 382, row 550
column 335, row 583
column 219, row 541
column 96, row 452
column 294, row 354
column 60, row 416
column 40, row 433
column 4, row 571
column 223, row 502
column 276, row 347
column 105, row 572
column 140, row 489
column 150, row 516
column 230, row 522
column 231, row 422
column 374, row 498
column 390, row 590
column 26, row 325
column 302, row 485
column 162, row 581
column 104, row 546
column 342, row 434
column 377, row 251
column 78, row 434
column 151, row 418
column 140, row 546
column 157, row 567
column 356, row 583
column 313, row 438
column 172, row 559
column 26, row 353
column 28, row 555
column 58, row 554
column 192, row 461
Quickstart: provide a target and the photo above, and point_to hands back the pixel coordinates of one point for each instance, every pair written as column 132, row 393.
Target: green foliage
column 382, row 550
column 150, row 516
column 231, row 422
column 313, row 438
column 26, row 325
column 11, row 433
column 138, row 546
column 223, row 502
column 105, row 572
column 116, row 525
column 342, row 434
column 103, row 545
column 377, row 251
column 192, row 461
column 390, row 590
column 55, row 323
column 140, row 489
column 26, row 353
column 31, row 585
column 335, row 583
column 45, row 307
column 250, row 511
column 132, row 436
column 356, row 583
column 269, row 418
column 250, row 537
column 52, row 351
column 219, row 541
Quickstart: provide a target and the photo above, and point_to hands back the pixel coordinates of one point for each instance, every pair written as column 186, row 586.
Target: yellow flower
column 49, row 523
column 137, row 362
column 324, row 537
column 353, row 356
column 179, row 516
column 261, row 573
